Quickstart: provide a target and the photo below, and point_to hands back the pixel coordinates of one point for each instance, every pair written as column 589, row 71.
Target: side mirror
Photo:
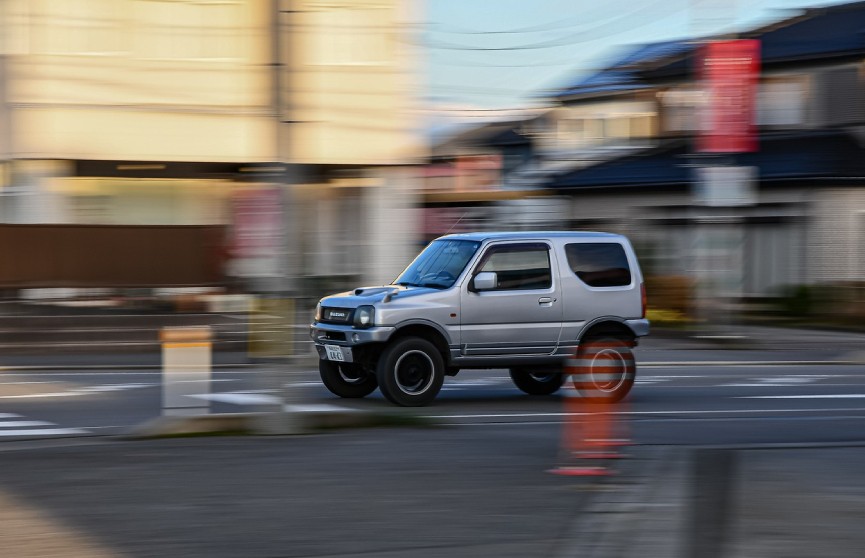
column 486, row 281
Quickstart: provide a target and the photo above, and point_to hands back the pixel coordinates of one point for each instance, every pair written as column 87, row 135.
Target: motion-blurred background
column 236, row 158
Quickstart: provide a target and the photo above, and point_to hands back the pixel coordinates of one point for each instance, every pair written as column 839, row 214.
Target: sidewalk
column 790, row 502
column 451, row 493
column 390, row 493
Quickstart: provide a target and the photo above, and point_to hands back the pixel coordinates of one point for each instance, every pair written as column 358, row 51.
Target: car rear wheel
column 410, row 372
column 605, row 370
column 348, row 380
column 537, row 381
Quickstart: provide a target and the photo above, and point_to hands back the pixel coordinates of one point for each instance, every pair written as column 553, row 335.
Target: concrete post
column 186, row 370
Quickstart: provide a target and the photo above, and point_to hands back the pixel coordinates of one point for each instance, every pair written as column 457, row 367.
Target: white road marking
column 39, row 395
column 105, row 388
column 319, row 408
column 23, row 383
column 813, row 396
column 23, row 427
column 238, row 398
column 784, row 381
column 650, row 380
column 644, row 413
column 79, row 391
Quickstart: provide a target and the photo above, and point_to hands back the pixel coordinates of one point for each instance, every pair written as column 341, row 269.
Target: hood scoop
column 374, row 291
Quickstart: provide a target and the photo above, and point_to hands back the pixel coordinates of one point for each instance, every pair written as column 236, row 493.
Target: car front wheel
column 410, row 372
column 348, row 380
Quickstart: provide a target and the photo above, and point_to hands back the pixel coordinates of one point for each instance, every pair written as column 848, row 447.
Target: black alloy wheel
column 410, row 372
column 346, row 379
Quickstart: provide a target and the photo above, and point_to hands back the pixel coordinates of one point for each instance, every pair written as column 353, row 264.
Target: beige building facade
column 167, row 111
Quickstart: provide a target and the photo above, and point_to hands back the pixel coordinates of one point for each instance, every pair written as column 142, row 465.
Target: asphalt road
column 716, row 400
column 480, row 487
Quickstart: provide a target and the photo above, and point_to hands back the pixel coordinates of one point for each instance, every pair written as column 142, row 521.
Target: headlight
column 318, row 312
column 364, row 316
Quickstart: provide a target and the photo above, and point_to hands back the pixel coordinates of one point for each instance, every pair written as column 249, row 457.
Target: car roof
column 509, row 235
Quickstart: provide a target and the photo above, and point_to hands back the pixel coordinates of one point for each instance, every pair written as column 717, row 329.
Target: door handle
column 546, row 301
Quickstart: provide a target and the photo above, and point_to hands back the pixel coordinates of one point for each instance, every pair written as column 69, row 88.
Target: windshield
column 439, row 265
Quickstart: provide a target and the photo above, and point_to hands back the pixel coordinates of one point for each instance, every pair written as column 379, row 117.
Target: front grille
column 334, row 336
column 337, row 315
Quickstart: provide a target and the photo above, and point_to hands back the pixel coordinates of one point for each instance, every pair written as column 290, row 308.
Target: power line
column 549, row 26
column 535, row 64
column 611, row 28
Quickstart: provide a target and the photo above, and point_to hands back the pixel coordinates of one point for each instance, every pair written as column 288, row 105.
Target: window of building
column 74, row 27
column 570, row 131
column 681, row 109
column 519, row 266
column 781, row 102
column 840, row 96
column 596, row 128
column 186, row 29
column 619, row 127
column 350, row 34
column 599, row 264
column 642, row 126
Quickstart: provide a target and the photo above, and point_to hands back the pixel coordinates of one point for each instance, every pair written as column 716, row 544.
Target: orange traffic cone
column 589, row 437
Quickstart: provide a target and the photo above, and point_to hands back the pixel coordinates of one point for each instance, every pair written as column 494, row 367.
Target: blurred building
column 466, row 183
column 288, row 121
column 617, row 149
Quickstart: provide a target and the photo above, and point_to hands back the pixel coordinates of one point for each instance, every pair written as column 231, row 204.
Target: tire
column 606, row 370
column 537, row 381
column 346, row 380
column 410, row 372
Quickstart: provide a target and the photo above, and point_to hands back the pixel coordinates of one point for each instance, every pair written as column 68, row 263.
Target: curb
column 304, row 419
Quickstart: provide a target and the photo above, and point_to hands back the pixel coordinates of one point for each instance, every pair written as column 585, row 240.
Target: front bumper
column 348, row 336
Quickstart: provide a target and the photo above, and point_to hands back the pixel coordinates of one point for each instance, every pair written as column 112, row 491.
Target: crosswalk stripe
column 16, row 426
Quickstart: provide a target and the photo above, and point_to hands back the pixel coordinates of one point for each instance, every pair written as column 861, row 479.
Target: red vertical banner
column 730, row 71
column 257, row 216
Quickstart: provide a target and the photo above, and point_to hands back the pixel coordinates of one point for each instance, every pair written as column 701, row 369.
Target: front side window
column 519, row 266
column 599, row 264
column 439, row 265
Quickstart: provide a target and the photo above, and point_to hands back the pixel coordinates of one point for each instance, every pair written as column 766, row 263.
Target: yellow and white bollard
column 186, row 370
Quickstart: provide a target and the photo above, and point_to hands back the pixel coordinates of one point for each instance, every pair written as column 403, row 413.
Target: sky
column 484, row 58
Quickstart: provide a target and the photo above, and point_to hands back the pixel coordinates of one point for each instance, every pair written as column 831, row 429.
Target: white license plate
column 334, row 352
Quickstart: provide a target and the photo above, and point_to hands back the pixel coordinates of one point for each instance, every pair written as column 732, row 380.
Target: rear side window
column 599, row 264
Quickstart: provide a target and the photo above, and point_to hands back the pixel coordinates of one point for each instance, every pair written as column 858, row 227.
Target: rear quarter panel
column 583, row 303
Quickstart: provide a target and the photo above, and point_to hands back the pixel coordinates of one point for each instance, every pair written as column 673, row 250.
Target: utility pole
column 279, row 295
column 728, row 69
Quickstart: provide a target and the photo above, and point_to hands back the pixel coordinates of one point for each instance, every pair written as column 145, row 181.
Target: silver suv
column 526, row 301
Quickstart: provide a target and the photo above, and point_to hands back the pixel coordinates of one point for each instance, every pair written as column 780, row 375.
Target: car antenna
column 457, row 222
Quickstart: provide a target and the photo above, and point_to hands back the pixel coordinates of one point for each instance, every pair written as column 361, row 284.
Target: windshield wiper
column 407, row 284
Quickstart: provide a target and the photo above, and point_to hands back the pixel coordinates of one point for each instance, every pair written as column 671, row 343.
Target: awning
column 818, row 154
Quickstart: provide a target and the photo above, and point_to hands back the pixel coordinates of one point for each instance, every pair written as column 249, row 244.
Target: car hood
column 373, row 295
